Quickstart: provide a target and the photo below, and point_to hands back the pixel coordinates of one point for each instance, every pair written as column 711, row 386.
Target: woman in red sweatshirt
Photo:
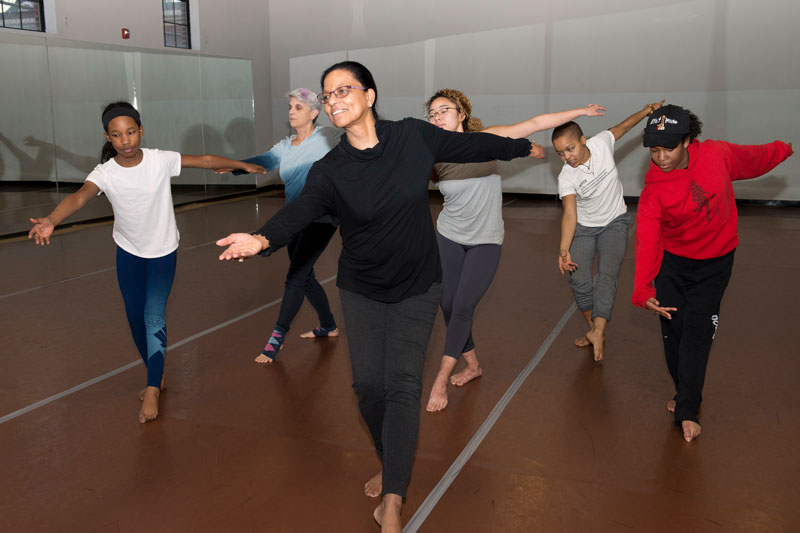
column 685, row 240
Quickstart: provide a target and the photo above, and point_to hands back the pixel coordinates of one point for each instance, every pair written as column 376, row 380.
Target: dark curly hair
column 695, row 126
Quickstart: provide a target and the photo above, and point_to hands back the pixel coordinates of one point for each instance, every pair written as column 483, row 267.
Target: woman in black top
column 376, row 182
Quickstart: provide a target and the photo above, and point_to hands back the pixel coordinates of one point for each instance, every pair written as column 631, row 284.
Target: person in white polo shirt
column 594, row 222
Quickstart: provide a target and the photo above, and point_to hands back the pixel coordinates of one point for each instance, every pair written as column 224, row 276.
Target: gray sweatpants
column 388, row 343
column 609, row 243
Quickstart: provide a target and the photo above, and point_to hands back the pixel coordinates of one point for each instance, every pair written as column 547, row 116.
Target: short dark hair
column 570, row 128
column 360, row 73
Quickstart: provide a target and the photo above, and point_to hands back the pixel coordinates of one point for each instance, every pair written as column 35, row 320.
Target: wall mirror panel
column 54, row 91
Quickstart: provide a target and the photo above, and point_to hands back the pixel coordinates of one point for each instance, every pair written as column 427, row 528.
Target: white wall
column 733, row 62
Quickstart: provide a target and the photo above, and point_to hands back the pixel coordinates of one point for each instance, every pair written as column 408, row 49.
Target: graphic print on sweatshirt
column 702, row 200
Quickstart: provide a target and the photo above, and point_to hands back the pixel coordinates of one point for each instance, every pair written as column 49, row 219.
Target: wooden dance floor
column 240, row 447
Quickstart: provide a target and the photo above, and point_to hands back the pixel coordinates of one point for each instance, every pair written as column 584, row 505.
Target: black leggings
column 388, row 343
column 695, row 287
column 304, row 250
column 467, row 272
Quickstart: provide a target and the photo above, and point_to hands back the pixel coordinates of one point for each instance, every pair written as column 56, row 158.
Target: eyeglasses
column 339, row 92
column 430, row 115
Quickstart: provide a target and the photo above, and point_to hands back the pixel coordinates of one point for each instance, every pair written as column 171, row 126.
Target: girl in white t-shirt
column 595, row 220
column 136, row 181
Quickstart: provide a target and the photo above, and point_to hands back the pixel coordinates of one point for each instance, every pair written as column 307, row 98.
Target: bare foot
column 374, row 485
column 582, row 342
column 691, row 430
column 598, row 339
column 465, row 376
column 310, row 334
column 472, row 371
column 163, row 386
column 387, row 514
column 671, row 406
column 438, row 398
column 264, row 359
column 149, row 410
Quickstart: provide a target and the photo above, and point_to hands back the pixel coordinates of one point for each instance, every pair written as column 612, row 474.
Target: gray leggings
column 388, row 343
column 467, row 272
column 609, row 242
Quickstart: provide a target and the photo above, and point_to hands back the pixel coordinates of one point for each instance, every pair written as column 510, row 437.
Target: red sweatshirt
column 691, row 212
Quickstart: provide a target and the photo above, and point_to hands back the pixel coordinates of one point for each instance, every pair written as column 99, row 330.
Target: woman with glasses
column 376, row 182
column 470, row 229
column 293, row 156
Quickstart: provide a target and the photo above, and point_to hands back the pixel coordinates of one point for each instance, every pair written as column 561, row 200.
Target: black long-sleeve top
column 380, row 196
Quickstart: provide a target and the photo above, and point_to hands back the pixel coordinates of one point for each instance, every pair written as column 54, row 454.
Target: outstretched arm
column 43, row 227
column 569, row 221
column 270, row 160
column 751, row 161
column 626, row 125
column 476, row 147
column 211, row 161
column 545, row 122
column 242, row 245
column 316, row 200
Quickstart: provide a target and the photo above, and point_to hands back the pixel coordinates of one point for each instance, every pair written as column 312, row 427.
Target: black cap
column 666, row 127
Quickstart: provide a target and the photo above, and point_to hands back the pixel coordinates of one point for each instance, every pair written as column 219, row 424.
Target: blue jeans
column 145, row 285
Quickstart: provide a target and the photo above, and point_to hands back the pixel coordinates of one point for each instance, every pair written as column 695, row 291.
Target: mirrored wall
column 54, row 90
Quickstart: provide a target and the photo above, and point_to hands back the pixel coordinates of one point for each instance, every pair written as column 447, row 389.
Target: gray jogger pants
column 609, row 243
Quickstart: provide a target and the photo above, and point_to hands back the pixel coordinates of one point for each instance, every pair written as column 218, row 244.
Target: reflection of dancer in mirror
column 470, row 229
column 595, row 221
column 294, row 156
column 84, row 163
column 376, row 182
column 137, row 183
column 31, row 168
column 686, row 236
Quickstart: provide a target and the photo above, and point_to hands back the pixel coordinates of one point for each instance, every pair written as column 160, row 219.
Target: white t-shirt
column 596, row 184
column 144, row 218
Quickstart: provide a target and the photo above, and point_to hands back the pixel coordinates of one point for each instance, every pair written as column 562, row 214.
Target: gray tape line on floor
column 98, row 379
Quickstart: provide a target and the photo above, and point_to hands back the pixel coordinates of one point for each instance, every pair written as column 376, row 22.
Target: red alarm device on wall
column 126, row 33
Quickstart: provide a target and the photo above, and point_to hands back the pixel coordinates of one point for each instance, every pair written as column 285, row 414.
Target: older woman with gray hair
column 293, row 157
